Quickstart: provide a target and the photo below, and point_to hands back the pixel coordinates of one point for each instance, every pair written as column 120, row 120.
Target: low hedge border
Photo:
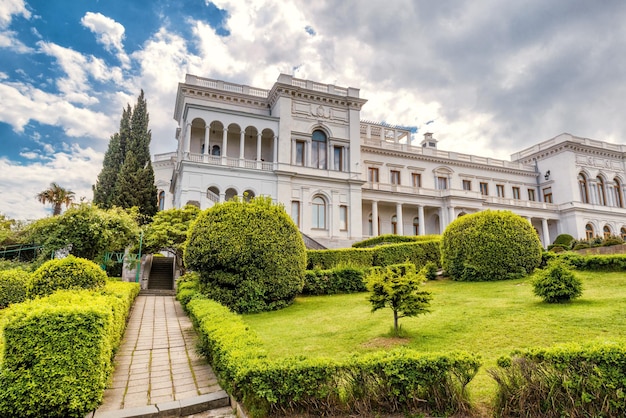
column 614, row 262
column 333, row 281
column 399, row 380
column 393, row 239
column 58, row 350
column 567, row 380
column 417, row 252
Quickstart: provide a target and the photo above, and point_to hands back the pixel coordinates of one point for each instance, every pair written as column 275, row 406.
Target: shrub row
column 393, row 239
column 613, row 262
column 332, row 281
column 390, row 381
column 58, row 350
column 418, row 253
column 569, row 380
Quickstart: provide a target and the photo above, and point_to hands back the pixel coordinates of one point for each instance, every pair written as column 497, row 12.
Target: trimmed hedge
column 14, row 285
column 613, row 262
column 567, row 380
column 393, row 239
column 338, row 280
column 67, row 273
column 398, row 380
column 58, row 350
column 417, row 252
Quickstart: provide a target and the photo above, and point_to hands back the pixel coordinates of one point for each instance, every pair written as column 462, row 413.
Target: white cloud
column 109, row 33
column 10, row 8
column 8, row 39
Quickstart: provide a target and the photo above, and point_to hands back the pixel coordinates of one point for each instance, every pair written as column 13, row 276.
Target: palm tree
column 57, row 196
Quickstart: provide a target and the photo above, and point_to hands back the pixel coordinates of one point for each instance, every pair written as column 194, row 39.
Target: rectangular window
column 547, row 195
column 531, row 195
column 395, row 176
column 372, row 175
column 338, row 158
column 467, row 185
column 300, row 153
column 318, row 154
column 500, row 190
column 484, row 189
column 295, row 212
column 442, row 183
column 343, row 218
column 416, row 179
column 516, row 194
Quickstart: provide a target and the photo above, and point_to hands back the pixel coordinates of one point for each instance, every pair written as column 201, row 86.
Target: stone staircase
column 161, row 277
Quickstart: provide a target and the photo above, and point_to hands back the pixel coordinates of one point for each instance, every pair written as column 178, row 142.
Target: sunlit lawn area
column 489, row 318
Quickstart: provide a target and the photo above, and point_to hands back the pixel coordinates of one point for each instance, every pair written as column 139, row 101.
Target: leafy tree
column 57, row 196
column 127, row 176
column 557, row 283
column 6, row 229
column 86, row 230
column 397, row 287
column 250, row 256
column 168, row 231
column 490, row 245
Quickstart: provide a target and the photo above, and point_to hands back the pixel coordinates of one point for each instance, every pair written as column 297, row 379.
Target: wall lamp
column 547, row 176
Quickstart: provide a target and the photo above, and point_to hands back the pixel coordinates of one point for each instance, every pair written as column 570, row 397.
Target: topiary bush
column 564, row 240
column 67, row 273
column 429, row 271
column 556, row 283
column 13, row 286
column 250, row 255
column 490, row 245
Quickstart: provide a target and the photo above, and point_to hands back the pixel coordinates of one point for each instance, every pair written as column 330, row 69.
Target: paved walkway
column 157, row 370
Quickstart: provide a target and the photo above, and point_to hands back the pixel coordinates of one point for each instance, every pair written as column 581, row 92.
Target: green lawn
column 487, row 318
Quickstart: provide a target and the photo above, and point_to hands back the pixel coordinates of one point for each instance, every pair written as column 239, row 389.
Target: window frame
column 373, row 175
column 319, row 150
column 500, row 190
column 343, row 217
column 484, row 188
column 416, row 180
column 467, row 185
column 394, row 177
column 516, row 193
column 318, row 213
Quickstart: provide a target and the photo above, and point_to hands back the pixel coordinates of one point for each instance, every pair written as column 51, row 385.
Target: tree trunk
column 395, row 322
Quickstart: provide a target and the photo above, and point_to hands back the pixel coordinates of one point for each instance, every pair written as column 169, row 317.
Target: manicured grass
column 489, row 318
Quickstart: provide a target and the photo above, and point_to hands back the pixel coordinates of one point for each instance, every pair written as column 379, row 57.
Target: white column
column 258, row 147
column 374, row 218
column 451, row 215
column 188, row 138
column 400, row 224
column 275, row 156
column 242, row 144
column 420, row 215
column 546, row 232
column 207, row 131
column 308, row 153
column 442, row 225
column 224, row 144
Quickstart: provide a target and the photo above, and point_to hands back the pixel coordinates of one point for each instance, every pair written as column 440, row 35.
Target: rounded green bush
column 564, row 240
column 13, row 286
column 490, row 245
column 67, row 273
column 556, row 283
column 250, row 255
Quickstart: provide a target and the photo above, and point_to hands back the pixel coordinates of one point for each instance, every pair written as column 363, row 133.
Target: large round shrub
column 13, row 286
column 557, row 283
column 490, row 245
column 67, row 273
column 250, row 255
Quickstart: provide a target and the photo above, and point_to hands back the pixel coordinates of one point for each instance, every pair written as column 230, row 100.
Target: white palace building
column 344, row 179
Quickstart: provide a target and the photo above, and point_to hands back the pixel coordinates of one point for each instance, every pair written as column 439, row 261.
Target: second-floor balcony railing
column 228, row 161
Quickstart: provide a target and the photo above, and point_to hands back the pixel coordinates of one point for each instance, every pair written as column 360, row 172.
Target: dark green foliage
column 67, row 273
column 490, row 245
column 563, row 381
column 58, row 351
column 565, row 240
column 14, row 285
column 187, row 287
column 581, row 246
column 87, row 230
column 556, row 283
column 597, row 242
column 612, row 240
column 429, row 271
column 392, row 239
column 613, row 262
column 417, row 252
column 346, row 279
column 250, row 256
column 397, row 288
column 127, row 176
column 383, row 382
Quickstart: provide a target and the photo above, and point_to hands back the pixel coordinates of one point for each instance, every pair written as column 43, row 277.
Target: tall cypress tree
column 129, row 181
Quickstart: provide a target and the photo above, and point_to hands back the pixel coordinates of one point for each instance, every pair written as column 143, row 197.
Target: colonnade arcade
column 227, row 144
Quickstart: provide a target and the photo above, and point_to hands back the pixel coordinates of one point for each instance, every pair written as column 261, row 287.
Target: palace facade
column 343, row 179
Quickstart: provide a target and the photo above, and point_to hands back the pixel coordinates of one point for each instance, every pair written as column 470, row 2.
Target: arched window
column 584, row 188
column 318, row 220
column 607, row 231
column 590, row 233
column 617, row 191
column 416, row 226
column 230, row 194
column 623, row 233
column 318, row 150
column 394, row 224
column 601, row 191
column 215, row 150
column 161, row 200
column 248, row 195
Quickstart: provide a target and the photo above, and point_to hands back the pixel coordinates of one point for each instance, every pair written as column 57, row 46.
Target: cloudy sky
column 488, row 77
